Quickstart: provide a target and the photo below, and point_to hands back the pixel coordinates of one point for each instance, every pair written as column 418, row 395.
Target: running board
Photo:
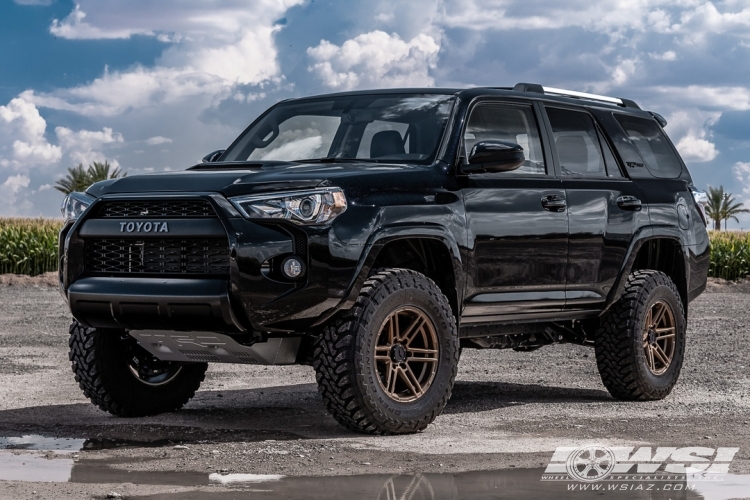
column 207, row 347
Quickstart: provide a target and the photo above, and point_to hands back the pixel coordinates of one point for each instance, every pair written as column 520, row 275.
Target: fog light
column 292, row 267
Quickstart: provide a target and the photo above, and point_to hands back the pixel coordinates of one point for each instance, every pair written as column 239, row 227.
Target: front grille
column 163, row 256
column 154, row 208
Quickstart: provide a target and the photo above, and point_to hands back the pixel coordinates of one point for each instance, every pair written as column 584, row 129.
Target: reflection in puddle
column 27, row 467
column 21, row 460
column 42, row 443
column 730, row 486
column 243, row 478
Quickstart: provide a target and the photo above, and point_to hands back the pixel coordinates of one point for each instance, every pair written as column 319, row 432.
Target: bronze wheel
column 406, row 354
column 387, row 365
column 640, row 343
column 659, row 337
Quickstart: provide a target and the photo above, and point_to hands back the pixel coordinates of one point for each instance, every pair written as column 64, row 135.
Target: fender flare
column 378, row 240
column 644, row 235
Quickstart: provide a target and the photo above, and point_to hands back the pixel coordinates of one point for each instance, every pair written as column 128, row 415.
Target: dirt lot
column 509, row 410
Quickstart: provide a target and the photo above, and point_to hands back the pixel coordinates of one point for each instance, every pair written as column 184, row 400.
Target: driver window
column 377, row 126
column 515, row 124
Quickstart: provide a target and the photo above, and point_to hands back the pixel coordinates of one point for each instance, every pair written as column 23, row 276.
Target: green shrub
column 730, row 254
column 28, row 246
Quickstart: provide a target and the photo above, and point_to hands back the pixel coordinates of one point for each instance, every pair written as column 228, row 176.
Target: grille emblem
column 144, row 211
column 144, row 227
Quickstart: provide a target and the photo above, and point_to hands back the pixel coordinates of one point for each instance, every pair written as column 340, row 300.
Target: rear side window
column 577, row 142
column 658, row 154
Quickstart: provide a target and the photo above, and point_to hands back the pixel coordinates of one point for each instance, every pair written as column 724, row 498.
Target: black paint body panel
column 512, row 261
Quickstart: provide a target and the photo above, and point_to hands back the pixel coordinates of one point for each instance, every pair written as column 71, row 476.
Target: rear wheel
column 124, row 379
column 387, row 366
column 640, row 344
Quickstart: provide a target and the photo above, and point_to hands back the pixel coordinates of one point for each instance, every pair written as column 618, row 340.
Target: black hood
column 233, row 179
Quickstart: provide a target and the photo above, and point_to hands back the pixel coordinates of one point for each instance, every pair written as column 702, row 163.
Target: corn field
column 28, row 246
column 730, row 254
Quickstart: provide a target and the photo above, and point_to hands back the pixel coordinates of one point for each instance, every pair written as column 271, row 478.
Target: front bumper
column 143, row 303
column 247, row 298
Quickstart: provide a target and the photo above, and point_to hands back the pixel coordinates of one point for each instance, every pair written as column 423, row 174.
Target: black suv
column 375, row 234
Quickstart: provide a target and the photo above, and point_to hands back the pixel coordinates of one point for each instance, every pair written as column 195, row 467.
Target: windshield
column 382, row 128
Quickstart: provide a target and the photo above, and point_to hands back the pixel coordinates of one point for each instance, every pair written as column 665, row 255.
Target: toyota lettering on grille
column 144, row 227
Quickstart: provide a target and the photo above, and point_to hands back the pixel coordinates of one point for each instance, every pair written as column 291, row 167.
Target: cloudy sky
column 156, row 85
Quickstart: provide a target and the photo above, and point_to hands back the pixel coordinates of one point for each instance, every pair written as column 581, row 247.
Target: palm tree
column 100, row 172
column 79, row 179
column 76, row 180
column 722, row 207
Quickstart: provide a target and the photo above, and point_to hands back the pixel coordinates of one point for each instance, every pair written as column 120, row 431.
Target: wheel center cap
column 652, row 337
column 398, row 353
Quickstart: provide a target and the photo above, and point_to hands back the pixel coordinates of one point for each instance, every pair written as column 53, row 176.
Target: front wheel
column 640, row 345
column 387, row 366
column 122, row 378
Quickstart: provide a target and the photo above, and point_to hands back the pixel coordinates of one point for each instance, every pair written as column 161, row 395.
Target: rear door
column 604, row 206
column 517, row 221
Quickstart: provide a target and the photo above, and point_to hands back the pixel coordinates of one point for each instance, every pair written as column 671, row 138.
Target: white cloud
column 15, row 183
column 33, row 2
column 669, row 55
column 692, row 128
column 153, row 141
column 12, row 201
column 705, row 96
column 741, row 172
column 691, row 19
column 706, row 19
column 22, row 136
column 376, row 59
column 695, row 148
column 623, row 71
column 213, row 46
column 85, row 146
column 75, row 28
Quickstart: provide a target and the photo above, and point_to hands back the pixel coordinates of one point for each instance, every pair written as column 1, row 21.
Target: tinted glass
column 578, row 149
column 613, row 168
column 660, row 157
column 380, row 128
column 515, row 124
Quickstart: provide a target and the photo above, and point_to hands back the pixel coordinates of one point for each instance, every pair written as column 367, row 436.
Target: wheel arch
column 430, row 250
column 663, row 252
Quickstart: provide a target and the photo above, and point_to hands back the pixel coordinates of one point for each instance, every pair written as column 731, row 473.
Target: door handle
column 554, row 203
column 629, row 203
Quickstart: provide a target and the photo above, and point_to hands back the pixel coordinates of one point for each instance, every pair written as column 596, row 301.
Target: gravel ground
column 508, row 410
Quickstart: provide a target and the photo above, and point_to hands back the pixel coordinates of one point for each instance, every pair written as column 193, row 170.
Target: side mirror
column 494, row 156
column 212, row 157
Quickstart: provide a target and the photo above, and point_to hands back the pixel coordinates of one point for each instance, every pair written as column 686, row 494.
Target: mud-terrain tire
column 102, row 360
column 631, row 367
column 359, row 351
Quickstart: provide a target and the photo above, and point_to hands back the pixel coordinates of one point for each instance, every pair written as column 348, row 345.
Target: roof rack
column 535, row 87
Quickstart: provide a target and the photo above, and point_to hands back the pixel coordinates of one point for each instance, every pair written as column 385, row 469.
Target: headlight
column 75, row 204
column 316, row 206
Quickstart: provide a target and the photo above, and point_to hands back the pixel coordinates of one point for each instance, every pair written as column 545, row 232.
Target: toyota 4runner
column 376, row 234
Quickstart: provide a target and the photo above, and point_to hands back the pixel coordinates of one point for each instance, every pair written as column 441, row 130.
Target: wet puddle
column 43, row 459
column 41, row 443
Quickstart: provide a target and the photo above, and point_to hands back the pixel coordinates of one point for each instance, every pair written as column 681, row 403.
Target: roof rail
column 535, row 87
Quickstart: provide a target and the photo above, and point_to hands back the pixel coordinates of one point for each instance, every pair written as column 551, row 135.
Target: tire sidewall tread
column 619, row 345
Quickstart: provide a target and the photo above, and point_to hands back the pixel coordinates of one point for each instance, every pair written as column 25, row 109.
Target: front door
column 517, row 222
